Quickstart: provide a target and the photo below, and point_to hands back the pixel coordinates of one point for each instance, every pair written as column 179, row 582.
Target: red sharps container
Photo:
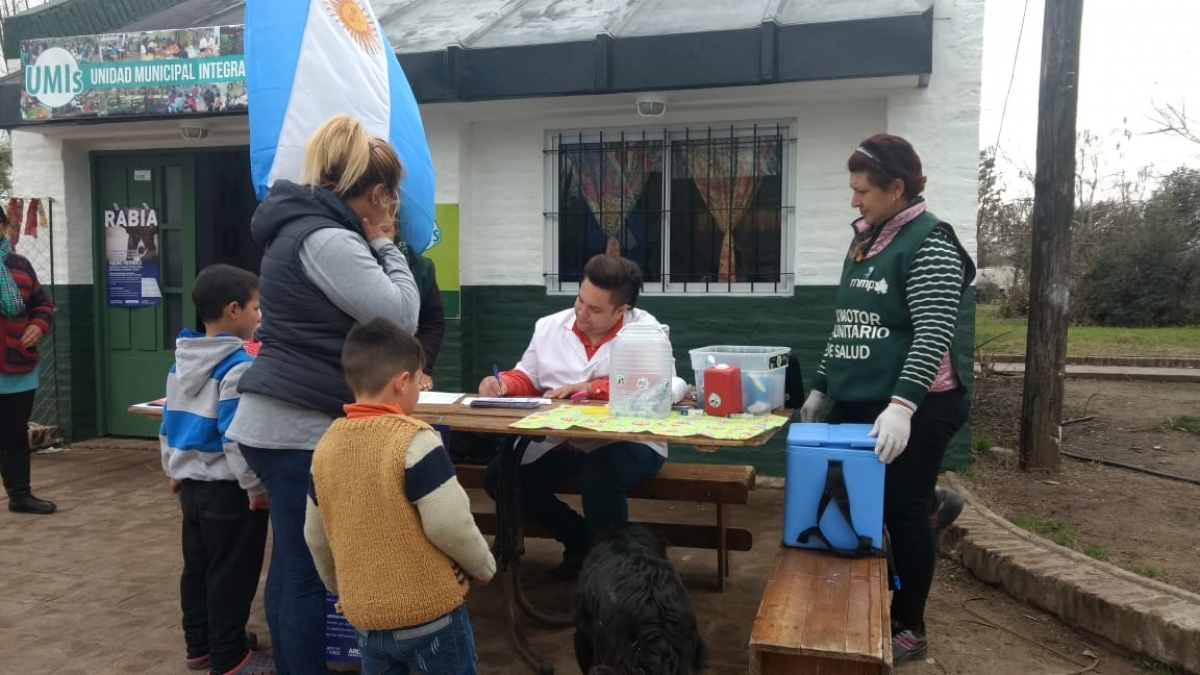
column 722, row 390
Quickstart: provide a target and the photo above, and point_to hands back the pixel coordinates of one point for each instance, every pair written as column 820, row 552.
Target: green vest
column 421, row 267
column 873, row 329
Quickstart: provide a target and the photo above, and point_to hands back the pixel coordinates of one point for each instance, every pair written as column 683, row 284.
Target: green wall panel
column 75, row 343
column 495, row 327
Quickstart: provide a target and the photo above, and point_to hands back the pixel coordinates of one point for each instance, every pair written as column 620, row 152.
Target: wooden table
column 512, row 443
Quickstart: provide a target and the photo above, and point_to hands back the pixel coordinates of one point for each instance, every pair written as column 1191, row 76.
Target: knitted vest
column 873, row 328
column 388, row 573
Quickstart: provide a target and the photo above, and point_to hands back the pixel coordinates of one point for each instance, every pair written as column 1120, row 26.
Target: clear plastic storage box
column 763, row 373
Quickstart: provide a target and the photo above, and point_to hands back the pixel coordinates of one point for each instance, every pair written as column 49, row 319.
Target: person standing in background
column 26, row 312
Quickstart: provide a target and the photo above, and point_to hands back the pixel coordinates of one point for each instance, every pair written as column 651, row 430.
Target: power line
column 1012, row 76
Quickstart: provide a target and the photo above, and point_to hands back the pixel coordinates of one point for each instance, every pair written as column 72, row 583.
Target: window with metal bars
column 699, row 209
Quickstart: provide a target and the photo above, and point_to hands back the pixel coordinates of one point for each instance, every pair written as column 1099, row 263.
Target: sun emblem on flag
column 357, row 24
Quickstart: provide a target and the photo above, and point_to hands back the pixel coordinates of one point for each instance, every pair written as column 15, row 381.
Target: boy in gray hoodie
column 224, row 504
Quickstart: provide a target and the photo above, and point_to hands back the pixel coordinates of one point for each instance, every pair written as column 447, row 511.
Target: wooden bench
column 718, row 484
column 823, row 614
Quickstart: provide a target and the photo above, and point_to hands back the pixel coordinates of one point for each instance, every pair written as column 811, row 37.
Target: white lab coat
column 556, row 358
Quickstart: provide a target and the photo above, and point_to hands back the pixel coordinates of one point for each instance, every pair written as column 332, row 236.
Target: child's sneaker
column 202, row 662
column 908, row 644
column 255, row 663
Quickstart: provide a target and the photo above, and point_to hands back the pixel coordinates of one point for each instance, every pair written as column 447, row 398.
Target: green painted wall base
column 74, row 373
column 495, row 327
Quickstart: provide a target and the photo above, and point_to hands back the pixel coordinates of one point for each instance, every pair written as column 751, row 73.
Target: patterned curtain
column 727, row 173
column 611, row 179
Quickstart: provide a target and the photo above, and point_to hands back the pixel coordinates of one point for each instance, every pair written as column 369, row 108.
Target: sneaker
column 947, row 505
column 255, row 663
column 908, row 644
column 203, row 661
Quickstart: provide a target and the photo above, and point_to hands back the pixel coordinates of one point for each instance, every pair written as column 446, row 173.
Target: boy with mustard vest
column 389, row 526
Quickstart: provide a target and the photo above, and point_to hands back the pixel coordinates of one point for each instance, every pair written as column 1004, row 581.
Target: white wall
column 504, row 168
column 942, row 120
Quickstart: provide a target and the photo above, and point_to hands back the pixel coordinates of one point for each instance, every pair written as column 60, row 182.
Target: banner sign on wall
column 131, row 249
column 189, row 71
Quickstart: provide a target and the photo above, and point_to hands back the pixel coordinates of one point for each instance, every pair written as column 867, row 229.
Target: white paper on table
column 514, row 400
column 438, row 398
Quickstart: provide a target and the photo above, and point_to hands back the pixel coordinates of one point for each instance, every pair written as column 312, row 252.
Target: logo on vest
column 879, row 286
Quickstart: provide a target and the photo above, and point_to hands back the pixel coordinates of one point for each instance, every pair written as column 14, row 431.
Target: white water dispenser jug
column 640, row 370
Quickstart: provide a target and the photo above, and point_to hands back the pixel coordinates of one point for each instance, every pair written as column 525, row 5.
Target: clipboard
column 519, row 403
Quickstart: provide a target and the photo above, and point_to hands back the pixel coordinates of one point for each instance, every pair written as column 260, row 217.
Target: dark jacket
column 39, row 311
column 302, row 332
column 431, row 323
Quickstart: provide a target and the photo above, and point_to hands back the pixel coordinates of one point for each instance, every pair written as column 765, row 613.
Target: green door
column 137, row 344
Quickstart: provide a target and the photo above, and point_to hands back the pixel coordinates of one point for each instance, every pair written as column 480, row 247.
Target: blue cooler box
column 341, row 640
column 813, row 450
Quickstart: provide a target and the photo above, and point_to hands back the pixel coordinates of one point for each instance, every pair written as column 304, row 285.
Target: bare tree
column 1173, row 119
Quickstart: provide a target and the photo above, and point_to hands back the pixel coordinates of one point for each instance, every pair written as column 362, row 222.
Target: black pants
column 605, row 477
column 908, row 492
column 223, row 545
column 15, row 410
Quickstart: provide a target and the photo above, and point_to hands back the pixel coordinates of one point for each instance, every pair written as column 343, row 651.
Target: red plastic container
column 722, row 390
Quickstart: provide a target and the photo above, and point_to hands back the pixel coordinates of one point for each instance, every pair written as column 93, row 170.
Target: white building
column 517, row 98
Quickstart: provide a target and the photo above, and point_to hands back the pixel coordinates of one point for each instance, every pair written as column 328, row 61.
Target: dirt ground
column 1140, row 522
column 93, row 589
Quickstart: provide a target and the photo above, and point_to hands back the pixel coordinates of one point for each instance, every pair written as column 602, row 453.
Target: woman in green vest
column 431, row 321
column 894, row 359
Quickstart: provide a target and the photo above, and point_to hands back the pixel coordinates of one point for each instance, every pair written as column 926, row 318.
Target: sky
column 1133, row 56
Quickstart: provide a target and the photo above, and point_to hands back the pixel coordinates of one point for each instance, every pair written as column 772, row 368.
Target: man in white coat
column 569, row 353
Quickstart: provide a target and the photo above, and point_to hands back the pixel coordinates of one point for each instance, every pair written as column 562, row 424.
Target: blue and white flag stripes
column 308, row 60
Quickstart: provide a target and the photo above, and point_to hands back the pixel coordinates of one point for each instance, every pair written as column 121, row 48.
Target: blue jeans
column 294, row 596
column 444, row 646
column 605, row 475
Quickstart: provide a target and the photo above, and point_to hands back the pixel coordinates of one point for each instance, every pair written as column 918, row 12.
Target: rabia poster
column 167, row 72
column 131, row 249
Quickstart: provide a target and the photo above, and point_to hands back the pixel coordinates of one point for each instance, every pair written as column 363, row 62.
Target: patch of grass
column 1186, row 423
column 1148, row 571
column 972, row 476
column 980, row 445
column 1053, row 529
column 1096, row 551
column 1149, row 664
column 1007, row 336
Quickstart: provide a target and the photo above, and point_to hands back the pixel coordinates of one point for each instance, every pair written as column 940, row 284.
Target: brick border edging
column 1130, row 361
column 1141, row 614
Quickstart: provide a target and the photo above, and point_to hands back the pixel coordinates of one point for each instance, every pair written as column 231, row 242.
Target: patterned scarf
column 11, row 303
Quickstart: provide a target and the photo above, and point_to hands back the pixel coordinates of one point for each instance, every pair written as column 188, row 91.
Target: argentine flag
column 308, row 60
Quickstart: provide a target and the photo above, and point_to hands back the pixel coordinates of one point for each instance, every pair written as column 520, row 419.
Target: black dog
column 632, row 614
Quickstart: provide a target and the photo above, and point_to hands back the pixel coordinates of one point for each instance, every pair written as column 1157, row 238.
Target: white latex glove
column 813, row 405
column 891, row 431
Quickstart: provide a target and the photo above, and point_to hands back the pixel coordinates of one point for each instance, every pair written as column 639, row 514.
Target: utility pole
column 1053, row 211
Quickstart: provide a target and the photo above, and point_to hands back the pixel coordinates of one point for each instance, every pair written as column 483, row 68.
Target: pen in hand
column 499, row 382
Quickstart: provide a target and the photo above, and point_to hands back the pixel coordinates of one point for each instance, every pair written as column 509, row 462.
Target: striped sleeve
column 934, row 292
column 431, row 485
